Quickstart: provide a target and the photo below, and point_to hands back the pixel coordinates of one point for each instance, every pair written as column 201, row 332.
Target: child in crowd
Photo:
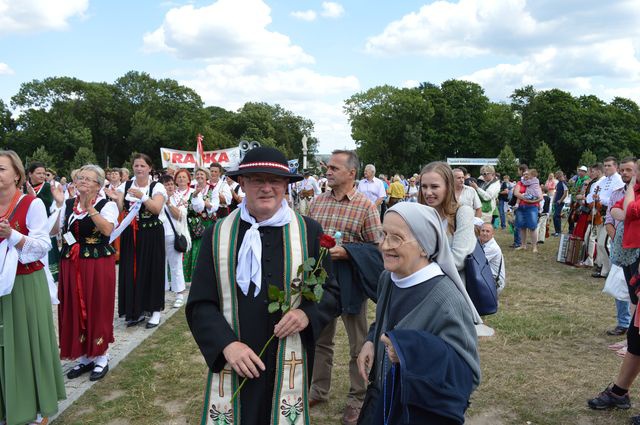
column 532, row 184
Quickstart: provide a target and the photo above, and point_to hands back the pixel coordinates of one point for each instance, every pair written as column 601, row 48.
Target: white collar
column 426, row 273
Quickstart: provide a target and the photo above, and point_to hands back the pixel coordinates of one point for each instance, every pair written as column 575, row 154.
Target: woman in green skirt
column 201, row 213
column 30, row 372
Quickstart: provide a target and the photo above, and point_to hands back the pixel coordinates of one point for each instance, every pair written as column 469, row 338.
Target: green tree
column 624, row 153
column 40, row 155
column 507, row 163
column 83, row 156
column 390, row 127
column 544, row 162
column 587, row 158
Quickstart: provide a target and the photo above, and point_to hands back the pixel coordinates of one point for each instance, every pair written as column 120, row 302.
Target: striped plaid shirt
column 354, row 216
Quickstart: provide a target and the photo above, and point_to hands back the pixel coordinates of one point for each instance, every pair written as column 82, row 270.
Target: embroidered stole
column 290, row 399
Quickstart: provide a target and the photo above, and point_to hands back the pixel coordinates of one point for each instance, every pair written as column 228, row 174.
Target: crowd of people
column 229, row 235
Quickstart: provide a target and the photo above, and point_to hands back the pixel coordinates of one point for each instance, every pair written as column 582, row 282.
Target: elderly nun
column 421, row 355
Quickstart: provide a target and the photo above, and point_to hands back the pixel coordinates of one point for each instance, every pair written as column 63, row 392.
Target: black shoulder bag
column 180, row 241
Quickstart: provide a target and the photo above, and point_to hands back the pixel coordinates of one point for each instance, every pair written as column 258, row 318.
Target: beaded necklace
column 76, row 205
column 12, row 205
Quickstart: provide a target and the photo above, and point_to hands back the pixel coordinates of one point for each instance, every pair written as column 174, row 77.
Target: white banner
column 228, row 158
column 472, row 161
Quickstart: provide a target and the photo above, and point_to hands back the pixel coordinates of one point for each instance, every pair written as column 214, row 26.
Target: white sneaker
column 179, row 302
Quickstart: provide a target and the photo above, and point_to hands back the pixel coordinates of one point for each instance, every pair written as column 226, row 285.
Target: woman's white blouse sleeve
column 110, row 212
column 38, row 243
column 464, row 238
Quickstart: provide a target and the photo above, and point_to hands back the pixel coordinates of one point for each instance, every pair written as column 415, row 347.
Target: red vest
column 19, row 223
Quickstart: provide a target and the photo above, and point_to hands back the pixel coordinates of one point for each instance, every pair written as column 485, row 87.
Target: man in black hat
column 261, row 243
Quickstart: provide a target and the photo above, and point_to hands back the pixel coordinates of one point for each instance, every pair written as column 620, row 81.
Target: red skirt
column 92, row 335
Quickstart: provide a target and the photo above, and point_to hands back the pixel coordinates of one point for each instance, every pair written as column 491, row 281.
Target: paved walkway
column 126, row 339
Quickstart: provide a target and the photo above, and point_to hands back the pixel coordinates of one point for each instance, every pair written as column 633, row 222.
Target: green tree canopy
column 544, row 162
column 507, row 163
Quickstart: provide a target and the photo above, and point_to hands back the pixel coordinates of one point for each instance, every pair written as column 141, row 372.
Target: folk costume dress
column 30, row 373
column 219, row 313
column 142, row 256
column 87, row 284
column 199, row 219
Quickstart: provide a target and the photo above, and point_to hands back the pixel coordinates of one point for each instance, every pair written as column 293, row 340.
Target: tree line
column 401, row 129
column 68, row 122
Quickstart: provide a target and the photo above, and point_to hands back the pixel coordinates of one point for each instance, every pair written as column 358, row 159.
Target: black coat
column 212, row 332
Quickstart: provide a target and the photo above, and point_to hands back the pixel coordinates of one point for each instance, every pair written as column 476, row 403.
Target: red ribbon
column 75, row 261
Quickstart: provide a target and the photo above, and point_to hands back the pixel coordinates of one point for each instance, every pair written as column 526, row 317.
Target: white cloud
column 245, row 61
column 225, row 29
column 303, row 91
column 514, row 27
column 570, row 68
column 5, row 69
column 332, row 9
column 305, row 15
column 38, row 15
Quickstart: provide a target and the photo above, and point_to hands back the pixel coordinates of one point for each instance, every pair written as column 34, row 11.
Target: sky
column 309, row 56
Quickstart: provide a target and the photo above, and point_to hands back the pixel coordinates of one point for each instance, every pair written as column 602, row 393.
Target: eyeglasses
column 486, row 174
column 393, row 241
column 81, row 179
column 262, row 181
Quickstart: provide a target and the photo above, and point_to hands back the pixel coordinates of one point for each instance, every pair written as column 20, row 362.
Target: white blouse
column 109, row 212
column 38, row 243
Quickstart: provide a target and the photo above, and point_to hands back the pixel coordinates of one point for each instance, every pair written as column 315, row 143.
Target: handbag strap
column 168, row 213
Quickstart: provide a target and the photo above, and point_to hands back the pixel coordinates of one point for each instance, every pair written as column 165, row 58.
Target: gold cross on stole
column 292, row 363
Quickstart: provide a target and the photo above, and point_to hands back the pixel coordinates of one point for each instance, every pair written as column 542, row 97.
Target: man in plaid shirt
column 350, row 212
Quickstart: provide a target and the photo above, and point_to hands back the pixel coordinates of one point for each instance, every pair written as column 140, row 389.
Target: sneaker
column 617, row 331
column 608, row 400
column 556, row 235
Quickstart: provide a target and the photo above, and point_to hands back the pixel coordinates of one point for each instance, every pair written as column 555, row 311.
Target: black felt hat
column 265, row 160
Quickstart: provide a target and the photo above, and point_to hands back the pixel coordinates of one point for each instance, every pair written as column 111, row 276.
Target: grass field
column 548, row 356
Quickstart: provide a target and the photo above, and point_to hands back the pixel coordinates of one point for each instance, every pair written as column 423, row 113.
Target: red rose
column 327, row 241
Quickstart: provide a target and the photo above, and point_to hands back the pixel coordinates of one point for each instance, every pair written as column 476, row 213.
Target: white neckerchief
column 180, row 197
column 428, row 272
column 250, row 254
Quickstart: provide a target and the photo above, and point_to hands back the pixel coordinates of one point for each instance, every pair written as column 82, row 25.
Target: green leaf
column 322, row 276
column 285, row 307
column 274, row 293
column 311, row 261
column 273, row 307
column 318, row 290
column 281, row 296
column 300, row 269
column 311, row 280
column 309, row 295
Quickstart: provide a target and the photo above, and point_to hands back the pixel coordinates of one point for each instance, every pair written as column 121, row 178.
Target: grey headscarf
column 429, row 230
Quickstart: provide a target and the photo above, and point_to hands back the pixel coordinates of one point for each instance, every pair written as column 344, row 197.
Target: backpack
column 481, row 285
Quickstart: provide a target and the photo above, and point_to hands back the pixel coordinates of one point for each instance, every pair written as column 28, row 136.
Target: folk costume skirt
column 31, row 379
column 191, row 257
column 86, row 325
column 141, row 272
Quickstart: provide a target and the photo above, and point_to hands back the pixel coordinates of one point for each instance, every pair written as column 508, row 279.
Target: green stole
column 290, row 399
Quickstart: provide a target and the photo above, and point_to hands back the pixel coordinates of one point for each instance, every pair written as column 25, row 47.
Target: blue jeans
column 503, row 219
column 557, row 218
column 622, row 313
column 516, row 230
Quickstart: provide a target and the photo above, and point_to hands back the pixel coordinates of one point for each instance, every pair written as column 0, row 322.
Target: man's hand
column 365, row 360
column 243, row 360
column 338, row 253
column 291, row 323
